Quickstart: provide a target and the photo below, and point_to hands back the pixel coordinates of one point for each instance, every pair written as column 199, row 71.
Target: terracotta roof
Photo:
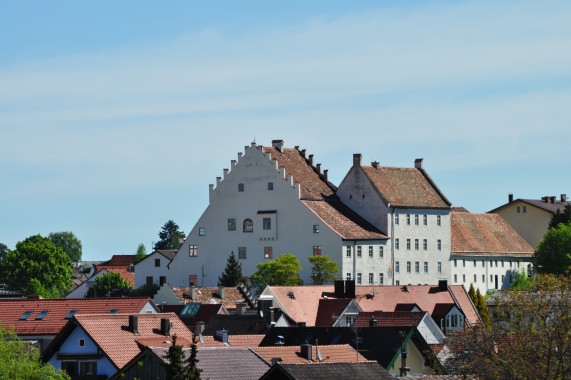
column 329, row 310
column 127, row 276
column 252, row 340
column 312, row 185
column 112, row 335
column 485, row 234
column 12, row 310
column 406, row 187
column 388, row 318
column 210, row 295
column 303, row 307
column 237, row 324
column 344, row 221
column 117, row 261
column 458, row 209
column 338, row 353
column 326, row 371
column 204, row 312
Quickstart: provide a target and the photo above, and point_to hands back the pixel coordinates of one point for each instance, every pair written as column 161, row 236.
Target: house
column 326, row 371
column 42, row 319
column 272, row 201
column 156, row 267
column 531, row 217
column 486, row 251
column 337, row 312
column 216, row 363
column 195, row 312
column 102, row 344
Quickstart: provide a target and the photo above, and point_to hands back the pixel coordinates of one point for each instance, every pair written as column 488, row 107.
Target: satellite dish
column 201, row 338
column 319, row 356
column 261, row 313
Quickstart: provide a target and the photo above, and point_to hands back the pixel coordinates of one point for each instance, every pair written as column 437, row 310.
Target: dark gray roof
column 168, row 253
column 326, row 371
column 547, row 206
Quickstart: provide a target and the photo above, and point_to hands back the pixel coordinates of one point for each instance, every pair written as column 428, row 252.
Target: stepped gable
column 486, row 234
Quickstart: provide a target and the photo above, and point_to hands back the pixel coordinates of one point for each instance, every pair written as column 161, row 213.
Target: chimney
column 221, row 292
column 193, row 293
column 278, row 144
column 199, row 327
column 375, row 164
column 310, row 159
column 510, row 198
column 545, row 199
column 307, row 351
column 443, row 285
column 325, row 174
column 318, row 166
column 339, row 288
column 357, row 159
column 240, row 307
column 165, row 326
column 350, row 288
column 563, row 197
column 134, row 324
column 418, row 163
column 303, row 153
column 221, row 336
column 373, row 322
column 552, row 199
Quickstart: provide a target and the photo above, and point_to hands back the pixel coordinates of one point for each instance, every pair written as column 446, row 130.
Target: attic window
column 42, row 315
column 70, row 314
column 26, row 315
column 113, row 311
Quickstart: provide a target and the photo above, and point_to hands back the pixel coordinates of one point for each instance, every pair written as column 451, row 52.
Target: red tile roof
column 205, row 295
column 391, row 319
column 252, row 340
column 344, row 221
column 338, row 353
column 117, row 261
column 329, row 310
column 485, row 234
column 312, row 184
column 406, row 187
column 12, row 310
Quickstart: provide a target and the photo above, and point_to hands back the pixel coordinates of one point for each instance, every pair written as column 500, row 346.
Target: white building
column 154, row 268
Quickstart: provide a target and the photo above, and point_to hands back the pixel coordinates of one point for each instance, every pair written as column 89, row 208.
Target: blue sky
column 115, row 116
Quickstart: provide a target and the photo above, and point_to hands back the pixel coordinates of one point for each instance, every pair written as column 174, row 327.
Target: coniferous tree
column 232, row 274
column 191, row 368
column 170, row 236
column 482, row 308
column 472, row 294
column 561, row 217
column 175, row 367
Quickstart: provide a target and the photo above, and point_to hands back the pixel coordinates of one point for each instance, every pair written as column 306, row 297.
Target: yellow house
column 531, row 217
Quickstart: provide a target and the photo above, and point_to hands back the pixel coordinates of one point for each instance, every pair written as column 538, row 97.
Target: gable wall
column 531, row 224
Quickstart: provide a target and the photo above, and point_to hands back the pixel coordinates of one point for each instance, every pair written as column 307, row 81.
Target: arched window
column 248, row 225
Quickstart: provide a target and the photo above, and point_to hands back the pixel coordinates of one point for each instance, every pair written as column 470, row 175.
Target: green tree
column 3, row 250
column 170, row 236
column 521, row 281
column 37, row 258
column 281, row 271
column 323, row 270
column 146, row 290
column 561, row 217
column 67, row 241
column 20, row 361
column 108, row 283
column 191, row 364
column 232, row 274
column 175, row 369
column 140, row 254
column 553, row 253
column 482, row 308
column 472, row 293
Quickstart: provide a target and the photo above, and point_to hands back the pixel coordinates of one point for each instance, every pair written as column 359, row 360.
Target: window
column 316, row 250
column 502, row 263
column 113, row 311
column 82, row 342
column 370, row 251
column 408, row 219
column 349, row 319
column 474, row 263
column 510, row 263
column 316, row 228
column 231, row 224
column 201, row 231
column 408, row 267
column 348, row 276
column 475, row 279
column 270, row 185
column 397, row 267
column 524, row 209
column 240, row 187
column 358, row 251
column 397, row 282
column 483, row 263
column 42, row 315
column 267, row 223
column 193, row 280
column 87, row 368
column 26, row 315
column 193, row 250
column 348, row 251
column 416, row 219
column 408, row 244
column 358, row 278
column 381, row 251
column 439, row 244
column 426, row 267
column 70, row 314
column 397, row 219
column 241, row 252
column 439, row 267
column 518, row 209
column 496, row 263
column 149, row 280
column 70, row 367
column 157, row 262
column 381, row 278
column 162, row 280
column 267, row 252
column 370, row 279
column 455, row 278
column 483, row 278
column 463, row 278
column 438, row 220
column 248, row 226
column 455, row 263
column 397, row 244
column 416, row 267
column 425, row 220
column 416, row 244
column 491, row 278
column 464, row 263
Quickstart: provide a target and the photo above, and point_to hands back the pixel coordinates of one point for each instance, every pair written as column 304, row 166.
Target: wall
column 146, row 267
column 531, row 225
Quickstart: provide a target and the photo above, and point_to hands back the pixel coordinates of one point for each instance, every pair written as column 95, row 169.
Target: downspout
column 393, row 245
column 355, row 261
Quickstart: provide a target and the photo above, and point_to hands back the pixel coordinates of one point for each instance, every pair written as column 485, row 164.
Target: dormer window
column 248, row 226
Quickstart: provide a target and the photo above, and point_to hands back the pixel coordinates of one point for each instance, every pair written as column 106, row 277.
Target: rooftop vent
column 418, row 163
column 291, row 295
column 134, row 324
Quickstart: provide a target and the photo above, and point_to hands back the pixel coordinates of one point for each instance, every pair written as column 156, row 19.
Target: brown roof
column 125, row 273
column 338, row 353
column 388, row 318
column 406, row 187
column 548, row 206
column 329, row 310
column 485, row 234
column 210, row 295
column 117, row 261
column 252, row 340
column 312, row 184
column 12, row 310
column 345, row 222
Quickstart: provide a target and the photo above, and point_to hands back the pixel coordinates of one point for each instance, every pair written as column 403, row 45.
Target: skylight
column 113, row 311
column 26, row 315
column 190, row 309
column 70, row 314
column 42, row 315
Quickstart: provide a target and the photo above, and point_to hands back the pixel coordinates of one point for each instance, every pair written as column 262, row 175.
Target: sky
column 116, row 116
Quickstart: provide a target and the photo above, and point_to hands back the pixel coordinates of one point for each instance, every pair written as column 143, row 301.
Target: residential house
column 326, row 371
column 486, row 251
column 337, row 312
column 531, row 217
column 155, row 266
column 195, row 312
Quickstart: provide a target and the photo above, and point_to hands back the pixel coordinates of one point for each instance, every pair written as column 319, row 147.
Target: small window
column 439, row 267
column 397, row 245
column 231, row 224
column 474, row 263
column 149, row 280
column 425, row 220
column 359, row 280
column 193, row 280
column 201, row 231
column 416, row 219
column 397, row 219
column 463, row 278
column 193, row 250
column 464, row 263
column 381, row 251
column 370, row 251
column 82, row 343
column 157, row 262
column 248, row 226
column 370, row 279
column 408, row 219
column 408, row 267
column 524, row 209
column 240, row 187
column 426, row 267
column 397, row 282
column 408, row 244
column 42, row 315
column 438, row 220
column 483, row 278
column 348, row 276
column 425, row 244
column 439, row 245
column 113, row 311
column 267, row 252
column 26, row 315
column 348, row 249
column 316, row 228
column 316, row 250
column 241, row 252
column 397, row 267
column 270, row 185
column 416, row 244
column 70, row 314
column 518, row 209
column 267, row 223
column 455, row 263
column 162, row 280
column 502, row 263
column 455, row 278
column 417, row 267
column 88, row 368
column 358, row 251
column 475, row 279
column 381, row 278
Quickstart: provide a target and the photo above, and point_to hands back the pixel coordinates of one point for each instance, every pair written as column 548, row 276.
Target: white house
column 155, row 267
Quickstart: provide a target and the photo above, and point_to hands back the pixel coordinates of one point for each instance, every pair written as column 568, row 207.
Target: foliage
column 170, row 236
column 3, row 250
column 37, row 258
column 553, row 253
column 146, row 290
column 140, row 254
column 20, row 361
column 561, row 217
column 530, row 337
column 67, row 241
column 323, row 270
column 482, row 308
column 472, row 293
column 191, row 363
column 178, row 368
column 521, row 281
column 232, row 274
column 35, row 288
column 109, row 285
column 281, row 271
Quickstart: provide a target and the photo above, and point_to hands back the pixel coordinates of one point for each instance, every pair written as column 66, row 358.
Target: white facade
column 152, row 269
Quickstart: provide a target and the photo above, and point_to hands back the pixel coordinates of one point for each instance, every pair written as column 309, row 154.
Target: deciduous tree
column 323, row 270
column 108, row 283
column 553, row 253
column 3, row 250
column 281, row 271
column 170, row 236
column 67, row 241
column 232, row 274
column 140, row 254
column 521, row 281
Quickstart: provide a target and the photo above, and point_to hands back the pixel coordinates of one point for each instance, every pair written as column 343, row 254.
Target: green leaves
column 232, row 274
column 170, row 236
column 107, row 283
column 323, row 270
column 281, row 271
column 70, row 244
column 553, row 253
